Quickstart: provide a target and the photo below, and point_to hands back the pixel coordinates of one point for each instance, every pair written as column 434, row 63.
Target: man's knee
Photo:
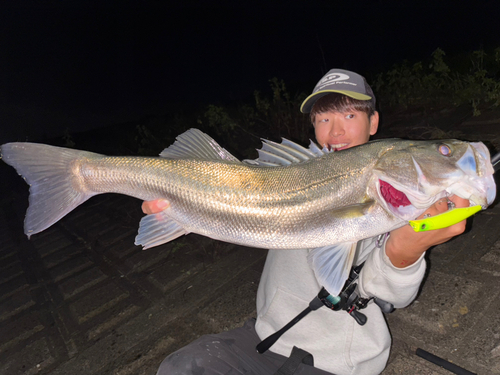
column 186, row 363
column 199, row 357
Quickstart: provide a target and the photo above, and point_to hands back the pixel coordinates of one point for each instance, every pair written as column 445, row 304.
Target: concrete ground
column 80, row 298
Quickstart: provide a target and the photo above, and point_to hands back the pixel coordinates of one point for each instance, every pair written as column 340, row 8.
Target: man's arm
column 397, row 278
column 394, row 271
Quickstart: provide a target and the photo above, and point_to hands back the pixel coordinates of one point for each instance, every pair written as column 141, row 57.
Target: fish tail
column 48, row 170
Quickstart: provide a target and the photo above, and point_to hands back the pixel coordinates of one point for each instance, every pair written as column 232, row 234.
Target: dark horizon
column 75, row 67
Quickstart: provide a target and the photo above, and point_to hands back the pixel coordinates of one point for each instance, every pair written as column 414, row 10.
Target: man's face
column 339, row 131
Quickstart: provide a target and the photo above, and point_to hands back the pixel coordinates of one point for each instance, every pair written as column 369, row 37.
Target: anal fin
column 157, row 229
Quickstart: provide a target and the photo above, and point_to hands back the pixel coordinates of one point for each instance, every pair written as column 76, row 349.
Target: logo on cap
column 331, row 78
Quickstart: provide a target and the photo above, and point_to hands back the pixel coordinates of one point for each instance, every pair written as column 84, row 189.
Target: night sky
column 71, row 65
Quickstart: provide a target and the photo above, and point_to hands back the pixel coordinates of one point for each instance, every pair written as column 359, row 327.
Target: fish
column 290, row 197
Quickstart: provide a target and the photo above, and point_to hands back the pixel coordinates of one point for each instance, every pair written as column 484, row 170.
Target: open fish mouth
column 469, row 175
column 398, row 203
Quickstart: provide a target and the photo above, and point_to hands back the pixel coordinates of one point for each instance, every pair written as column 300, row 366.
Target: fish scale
column 209, row 196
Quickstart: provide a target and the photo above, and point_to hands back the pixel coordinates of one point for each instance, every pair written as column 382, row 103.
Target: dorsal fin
column 273, row 154
column 193, row 143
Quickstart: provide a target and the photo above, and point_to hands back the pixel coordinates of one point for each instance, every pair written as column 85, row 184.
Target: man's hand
column 154, row 207
column 405, row 246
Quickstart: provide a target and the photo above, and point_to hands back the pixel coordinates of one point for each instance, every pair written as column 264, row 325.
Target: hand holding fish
column 405, row 246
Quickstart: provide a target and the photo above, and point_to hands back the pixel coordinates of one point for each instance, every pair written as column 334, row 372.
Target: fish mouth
column 407, row 196
column 397, row 202
column 400, row 205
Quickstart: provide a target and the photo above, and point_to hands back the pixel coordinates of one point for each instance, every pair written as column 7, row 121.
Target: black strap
column 292, row 363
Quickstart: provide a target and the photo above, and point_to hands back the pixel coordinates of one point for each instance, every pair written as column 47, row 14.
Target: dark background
column 75, row 65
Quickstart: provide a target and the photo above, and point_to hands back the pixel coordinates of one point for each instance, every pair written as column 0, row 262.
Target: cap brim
column 311, row 99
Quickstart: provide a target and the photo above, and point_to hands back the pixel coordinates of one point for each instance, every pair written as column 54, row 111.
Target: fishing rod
column 495, row 161
column 442, row 362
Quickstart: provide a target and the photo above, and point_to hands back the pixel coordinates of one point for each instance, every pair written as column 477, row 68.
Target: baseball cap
column 343, row 82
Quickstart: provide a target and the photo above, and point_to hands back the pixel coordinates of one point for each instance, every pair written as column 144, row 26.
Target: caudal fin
column 47, row 169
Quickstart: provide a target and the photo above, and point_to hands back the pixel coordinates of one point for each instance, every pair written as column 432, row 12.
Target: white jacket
column 337, row 343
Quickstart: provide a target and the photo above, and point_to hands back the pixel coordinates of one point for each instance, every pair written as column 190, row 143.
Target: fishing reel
column 350, row 301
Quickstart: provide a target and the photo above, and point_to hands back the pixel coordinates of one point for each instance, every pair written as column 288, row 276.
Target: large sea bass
column 291, row 197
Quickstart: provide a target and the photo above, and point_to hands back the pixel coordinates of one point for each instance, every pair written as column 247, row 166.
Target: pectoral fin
column 354, row 210
column 332, row 264
column 157, row 229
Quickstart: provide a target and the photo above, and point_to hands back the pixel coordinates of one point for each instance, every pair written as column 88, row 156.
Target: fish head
column 410, row 177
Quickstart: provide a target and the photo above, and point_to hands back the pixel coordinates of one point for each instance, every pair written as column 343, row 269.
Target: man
column 342, row 110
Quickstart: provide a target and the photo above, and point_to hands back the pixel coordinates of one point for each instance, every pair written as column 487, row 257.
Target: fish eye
column 444, row 150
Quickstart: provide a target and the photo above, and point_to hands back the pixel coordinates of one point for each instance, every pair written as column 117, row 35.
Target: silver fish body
column 328, row 199
column 316, row 200
column 269, row 207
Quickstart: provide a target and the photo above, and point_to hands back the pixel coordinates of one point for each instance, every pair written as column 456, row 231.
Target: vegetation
column 271, row 116
column 473, row 79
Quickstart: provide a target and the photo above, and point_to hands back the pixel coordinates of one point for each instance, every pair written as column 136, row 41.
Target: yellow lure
column 444, row 220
